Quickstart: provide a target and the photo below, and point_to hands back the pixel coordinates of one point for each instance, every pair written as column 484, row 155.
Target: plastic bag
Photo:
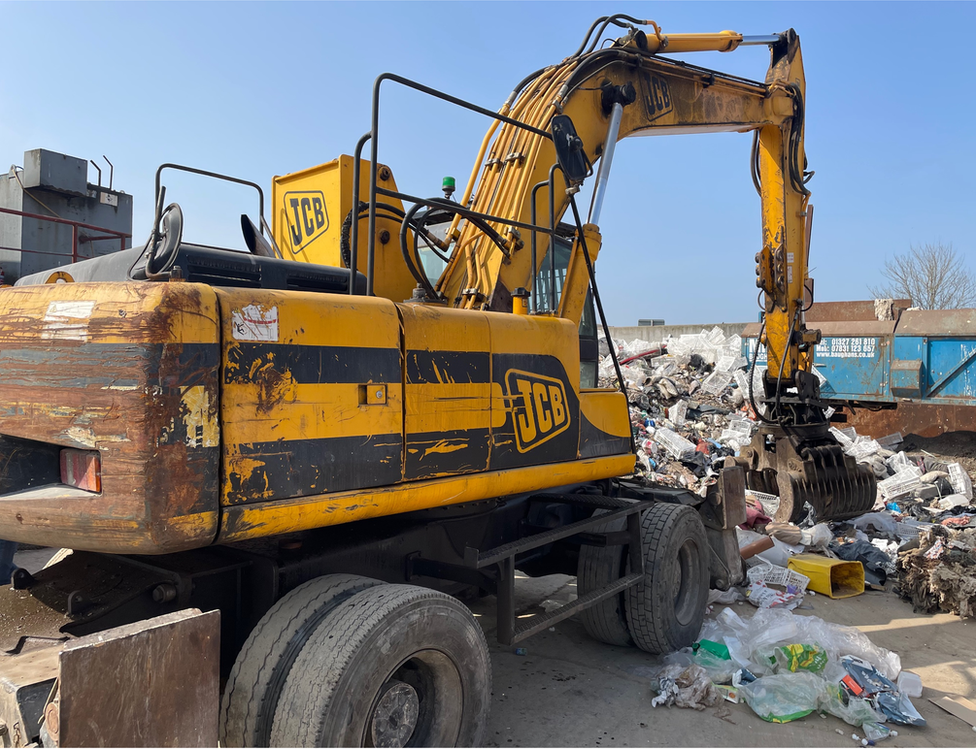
column 714, row 658
column 851, row 710
column 874, row 731
column 724, row 596
column 899, row 709
column 780, row 554
column 781, row 698
column 874, row 559
column 751, row 642
column 686, row 686
column 816, row 537
column 800, row 657
column 748, row 639
column 880, row 521
column 841, row 640
column 719, row 669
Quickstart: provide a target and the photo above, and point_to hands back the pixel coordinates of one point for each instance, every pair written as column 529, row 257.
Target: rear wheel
column 255, row 682
column 395, row 665
column 598, row 567
column 665, row 611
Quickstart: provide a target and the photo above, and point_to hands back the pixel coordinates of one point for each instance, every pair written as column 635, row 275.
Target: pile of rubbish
column 922, row 531
column 689, row 404
column 931, row 561
column 917, row 486
column 786, row 667
column 939, row 572
column 690, row 408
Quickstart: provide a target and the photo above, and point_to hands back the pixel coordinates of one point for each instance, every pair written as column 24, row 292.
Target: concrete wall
column 11, row 196
column 50, row 243
column 659, row 333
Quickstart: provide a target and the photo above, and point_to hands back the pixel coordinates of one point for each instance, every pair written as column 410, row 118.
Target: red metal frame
column 75, row 226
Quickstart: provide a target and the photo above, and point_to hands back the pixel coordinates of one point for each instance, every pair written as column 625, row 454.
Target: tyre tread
column 299, row 721
column 652, row 631
column 248, row 704
column 598, row 567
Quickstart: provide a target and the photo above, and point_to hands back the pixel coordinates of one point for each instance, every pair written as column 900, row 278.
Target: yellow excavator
column 385, row 402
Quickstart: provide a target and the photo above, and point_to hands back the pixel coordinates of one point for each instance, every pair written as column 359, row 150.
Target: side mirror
column 570, row 152
column 162, row 253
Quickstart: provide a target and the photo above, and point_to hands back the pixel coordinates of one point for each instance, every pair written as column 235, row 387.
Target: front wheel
column 665, row 611
column 395, row 665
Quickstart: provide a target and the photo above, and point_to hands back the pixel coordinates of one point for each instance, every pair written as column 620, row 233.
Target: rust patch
column 274, row 388
column 123, row 391
column 925, row 420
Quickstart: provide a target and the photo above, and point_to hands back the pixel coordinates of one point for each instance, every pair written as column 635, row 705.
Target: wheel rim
column 394, row 718
column 419, row 704
column 684, row 597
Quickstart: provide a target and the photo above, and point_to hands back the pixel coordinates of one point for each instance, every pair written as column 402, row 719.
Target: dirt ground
column 569, row 690
column 949, row 448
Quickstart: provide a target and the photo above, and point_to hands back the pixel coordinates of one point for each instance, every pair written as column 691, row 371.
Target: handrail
column 75, row 239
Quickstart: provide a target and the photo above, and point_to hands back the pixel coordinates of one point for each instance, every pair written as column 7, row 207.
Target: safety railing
column 78, row 235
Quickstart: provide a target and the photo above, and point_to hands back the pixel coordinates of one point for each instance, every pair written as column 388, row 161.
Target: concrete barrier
column 659, row 333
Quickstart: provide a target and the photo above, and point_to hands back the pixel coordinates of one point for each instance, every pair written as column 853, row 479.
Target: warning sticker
column 254, row 323
column 67, row 321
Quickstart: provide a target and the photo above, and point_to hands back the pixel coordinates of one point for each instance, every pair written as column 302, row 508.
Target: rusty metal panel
column 944, row 322
column 154, row 683
column 821, row 312
column 923, row 419
column 125, row 369
column 857, row 328
column 26, row 680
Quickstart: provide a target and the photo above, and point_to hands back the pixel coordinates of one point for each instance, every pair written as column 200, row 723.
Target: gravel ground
column 949, row 448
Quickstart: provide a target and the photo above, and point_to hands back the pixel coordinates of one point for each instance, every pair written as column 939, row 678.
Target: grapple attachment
column 814, row 470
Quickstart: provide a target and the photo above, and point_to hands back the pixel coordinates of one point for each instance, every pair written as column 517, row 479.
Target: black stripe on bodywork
column 298, row 468
column 448, row 366
column 106, row 364
column 456, row 451
column 595, row 443
column 312, row 364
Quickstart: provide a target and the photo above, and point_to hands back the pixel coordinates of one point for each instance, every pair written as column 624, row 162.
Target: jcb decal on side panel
column 308, row 218
column 539, row 408
column 657, row 96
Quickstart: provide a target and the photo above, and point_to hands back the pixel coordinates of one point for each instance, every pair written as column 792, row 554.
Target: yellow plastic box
column 831, row 577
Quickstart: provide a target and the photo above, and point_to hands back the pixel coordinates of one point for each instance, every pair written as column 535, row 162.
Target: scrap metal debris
column 692, row 404
column 689, row 404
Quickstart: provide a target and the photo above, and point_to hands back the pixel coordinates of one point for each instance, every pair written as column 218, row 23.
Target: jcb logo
column 539, row 408
column 657, row 96
column 307, row 217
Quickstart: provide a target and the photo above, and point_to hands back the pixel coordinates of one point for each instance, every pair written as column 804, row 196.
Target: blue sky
column 256, row 90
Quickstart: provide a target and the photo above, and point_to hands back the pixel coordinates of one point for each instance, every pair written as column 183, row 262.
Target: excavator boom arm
column 657, row 96
column 627, row 90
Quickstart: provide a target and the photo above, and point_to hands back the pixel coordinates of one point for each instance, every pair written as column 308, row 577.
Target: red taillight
column 81, row 468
